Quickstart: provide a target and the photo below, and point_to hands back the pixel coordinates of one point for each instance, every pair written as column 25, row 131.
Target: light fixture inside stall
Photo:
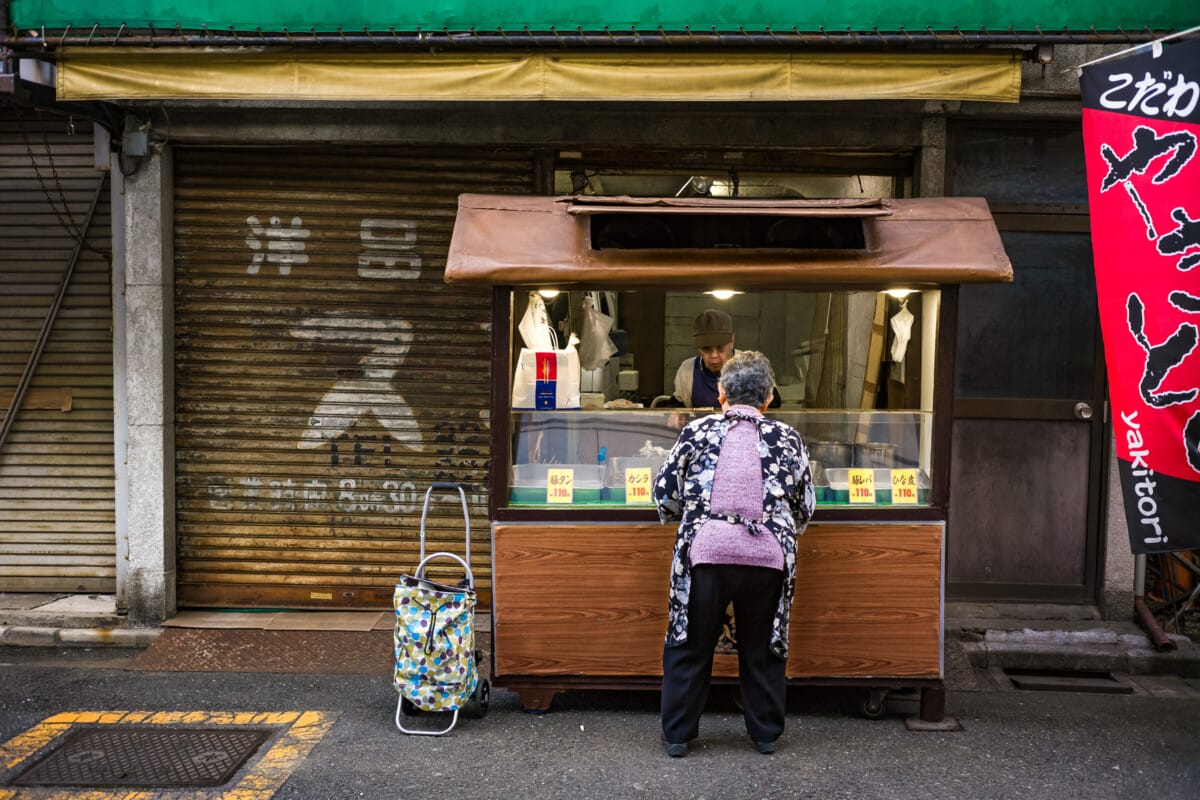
column 548, row 293
column 722, row 294
column 696, row 185
column 900, row 294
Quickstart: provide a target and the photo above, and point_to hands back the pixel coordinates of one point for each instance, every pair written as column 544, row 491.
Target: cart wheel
column 481, row 698
column 875, row 704
column 408, row 707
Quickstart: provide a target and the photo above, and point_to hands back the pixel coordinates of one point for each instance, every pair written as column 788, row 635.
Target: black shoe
column 676, row 750
column 766, row 748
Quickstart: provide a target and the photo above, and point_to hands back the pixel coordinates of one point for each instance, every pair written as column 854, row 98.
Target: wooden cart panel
column 590, row 600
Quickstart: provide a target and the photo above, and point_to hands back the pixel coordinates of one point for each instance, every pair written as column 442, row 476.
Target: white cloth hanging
column 902, row 322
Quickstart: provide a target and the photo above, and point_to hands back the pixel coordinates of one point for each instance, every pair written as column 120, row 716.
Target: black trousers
column 687, row 668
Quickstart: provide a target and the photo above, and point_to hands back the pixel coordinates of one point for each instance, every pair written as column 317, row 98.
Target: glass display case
column 859, row 458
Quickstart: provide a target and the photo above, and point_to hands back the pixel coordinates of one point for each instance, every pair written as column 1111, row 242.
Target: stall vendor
column 696, row 378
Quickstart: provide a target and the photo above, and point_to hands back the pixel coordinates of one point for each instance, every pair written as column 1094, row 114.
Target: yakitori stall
column 853, row 301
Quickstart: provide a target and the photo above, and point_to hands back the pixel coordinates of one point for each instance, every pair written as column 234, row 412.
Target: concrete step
column 1099, row 648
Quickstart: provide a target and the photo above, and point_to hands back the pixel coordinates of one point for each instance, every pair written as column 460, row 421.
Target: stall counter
column 585, row 605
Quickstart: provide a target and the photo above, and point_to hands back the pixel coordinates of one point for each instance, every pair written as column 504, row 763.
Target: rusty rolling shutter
column 325, row 374
column 57, row 519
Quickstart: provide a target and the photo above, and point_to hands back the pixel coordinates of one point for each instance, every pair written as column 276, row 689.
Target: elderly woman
column 741, row 485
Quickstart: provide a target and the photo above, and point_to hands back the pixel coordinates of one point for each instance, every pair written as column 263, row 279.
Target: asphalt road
column 1013, row 744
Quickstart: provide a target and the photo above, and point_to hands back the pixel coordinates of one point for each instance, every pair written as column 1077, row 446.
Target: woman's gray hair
column 747, row 378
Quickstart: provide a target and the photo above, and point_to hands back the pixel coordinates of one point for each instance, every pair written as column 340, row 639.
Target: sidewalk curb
column 1094, row 650
column 42, row 636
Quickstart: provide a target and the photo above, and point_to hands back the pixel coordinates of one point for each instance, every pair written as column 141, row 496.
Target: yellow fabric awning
column 94, row 73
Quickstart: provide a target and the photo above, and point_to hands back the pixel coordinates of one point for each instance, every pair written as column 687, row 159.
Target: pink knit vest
column 737, row 489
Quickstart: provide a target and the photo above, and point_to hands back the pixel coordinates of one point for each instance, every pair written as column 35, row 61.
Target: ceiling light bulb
column 548, row 293
column 723, row 294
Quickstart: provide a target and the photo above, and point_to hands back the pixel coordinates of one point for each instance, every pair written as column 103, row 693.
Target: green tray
column 616, row 496
column 883, row 497
column 536, row 495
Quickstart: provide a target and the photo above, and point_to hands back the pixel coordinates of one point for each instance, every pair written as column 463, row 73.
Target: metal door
column 1027, row 470
column 57, row 491
column 325, row 374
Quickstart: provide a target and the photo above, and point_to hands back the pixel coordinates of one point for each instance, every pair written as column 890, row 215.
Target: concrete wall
column 1117, row 599
column 851, row 126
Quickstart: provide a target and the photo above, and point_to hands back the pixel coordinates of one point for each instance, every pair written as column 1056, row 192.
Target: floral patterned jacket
column 683, row 487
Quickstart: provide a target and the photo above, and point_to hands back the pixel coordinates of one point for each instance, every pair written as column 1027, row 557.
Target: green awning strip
column 542, row 15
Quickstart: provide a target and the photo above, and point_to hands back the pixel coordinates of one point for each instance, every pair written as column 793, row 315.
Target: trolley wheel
column 481, row 698
column 875, row 704
column 408, row 707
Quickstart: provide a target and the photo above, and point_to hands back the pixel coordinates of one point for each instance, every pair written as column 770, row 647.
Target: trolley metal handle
column 466, row 515
column 420, row 573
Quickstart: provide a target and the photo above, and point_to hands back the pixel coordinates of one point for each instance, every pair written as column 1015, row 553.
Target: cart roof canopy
column 730, row 243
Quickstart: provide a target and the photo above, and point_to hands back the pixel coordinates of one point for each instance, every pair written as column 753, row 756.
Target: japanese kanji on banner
column 1141, row 126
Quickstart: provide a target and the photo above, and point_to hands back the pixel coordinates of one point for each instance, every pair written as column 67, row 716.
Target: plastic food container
column 529, row 483
column 839, row 486
column 831, row 454
column 877, row 455
column 614, row 478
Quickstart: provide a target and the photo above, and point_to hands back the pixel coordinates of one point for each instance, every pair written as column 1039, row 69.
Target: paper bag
column 546, row 379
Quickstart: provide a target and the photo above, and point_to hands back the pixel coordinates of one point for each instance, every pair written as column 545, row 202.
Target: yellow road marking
column 23, row 745
column 303, row 730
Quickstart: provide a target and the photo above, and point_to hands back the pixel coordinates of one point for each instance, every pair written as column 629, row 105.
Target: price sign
column 637, row 485
column 862, row 486
column 904, row 486
column 560, row 485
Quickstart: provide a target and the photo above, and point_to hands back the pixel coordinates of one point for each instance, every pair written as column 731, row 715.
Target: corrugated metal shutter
column 325, row 374
column 57, row 519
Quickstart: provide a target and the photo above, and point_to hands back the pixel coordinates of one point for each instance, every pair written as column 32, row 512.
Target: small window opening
column 644, row 231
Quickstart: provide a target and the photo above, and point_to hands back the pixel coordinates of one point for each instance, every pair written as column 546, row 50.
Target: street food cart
column 580, row 576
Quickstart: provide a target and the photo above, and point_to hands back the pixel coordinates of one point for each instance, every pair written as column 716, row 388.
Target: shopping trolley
column 437, row 665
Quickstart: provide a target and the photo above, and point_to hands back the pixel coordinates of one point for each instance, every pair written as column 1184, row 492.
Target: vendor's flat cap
column 713, row 328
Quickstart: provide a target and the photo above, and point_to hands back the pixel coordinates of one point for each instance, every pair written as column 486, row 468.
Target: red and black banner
column 1141, row 130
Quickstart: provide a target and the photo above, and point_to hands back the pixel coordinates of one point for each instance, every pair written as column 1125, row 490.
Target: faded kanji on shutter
column 325, row 375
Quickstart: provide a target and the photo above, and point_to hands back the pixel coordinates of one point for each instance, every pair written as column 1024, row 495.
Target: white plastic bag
column 535, row 328
column 547, row 378
column 595, row 346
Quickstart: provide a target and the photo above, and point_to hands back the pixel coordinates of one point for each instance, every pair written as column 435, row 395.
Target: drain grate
column 118, row 757
column 1066, row 681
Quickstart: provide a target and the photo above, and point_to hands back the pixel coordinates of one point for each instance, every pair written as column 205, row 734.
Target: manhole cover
column 1066, row 681
column 115, row 756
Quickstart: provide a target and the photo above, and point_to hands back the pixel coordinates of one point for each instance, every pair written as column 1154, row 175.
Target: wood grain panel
column 581, row 600
column 590, row 600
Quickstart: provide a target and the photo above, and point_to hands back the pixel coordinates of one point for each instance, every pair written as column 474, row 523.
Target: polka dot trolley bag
column 437, row 665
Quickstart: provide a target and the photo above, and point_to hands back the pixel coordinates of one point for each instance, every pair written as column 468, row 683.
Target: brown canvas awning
column 509, row 240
